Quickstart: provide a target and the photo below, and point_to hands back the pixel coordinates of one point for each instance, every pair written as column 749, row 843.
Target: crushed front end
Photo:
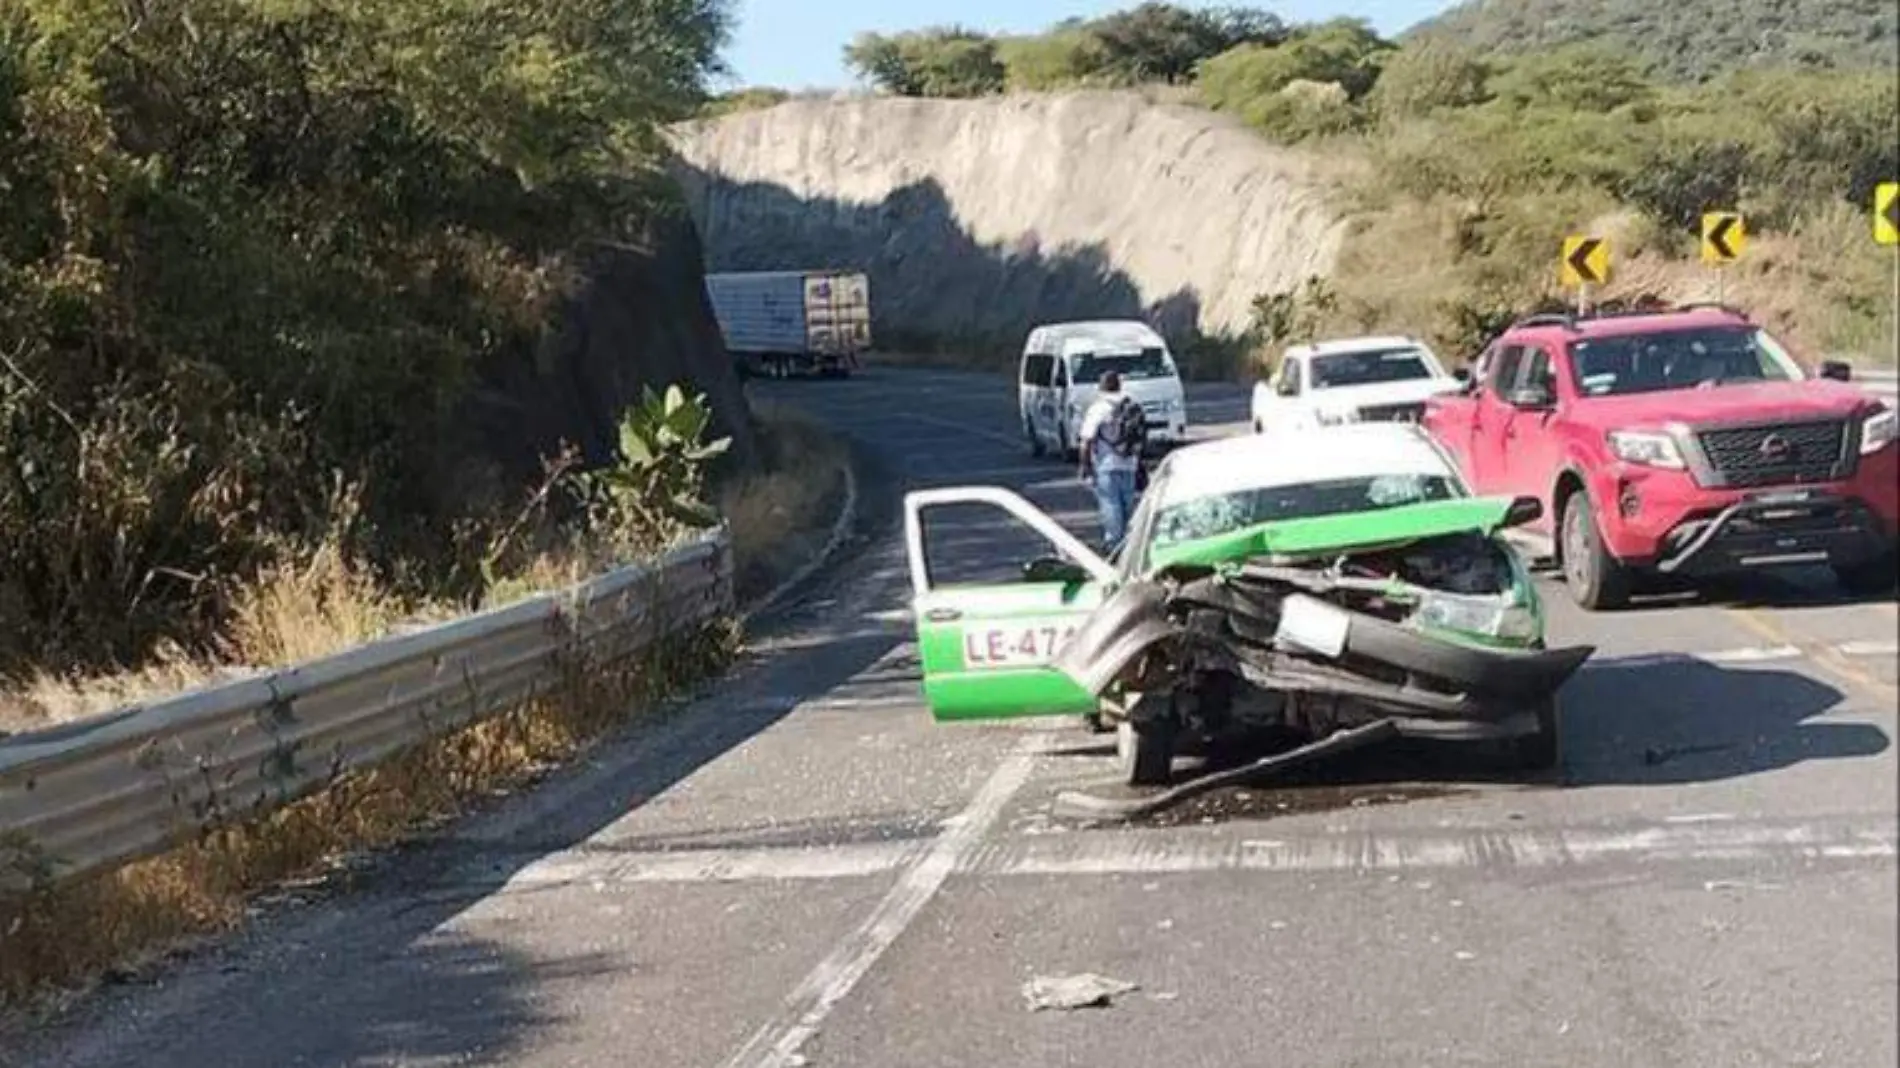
column 1426, row 619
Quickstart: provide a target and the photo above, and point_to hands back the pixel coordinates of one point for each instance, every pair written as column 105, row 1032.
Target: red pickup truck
column 1685, row 442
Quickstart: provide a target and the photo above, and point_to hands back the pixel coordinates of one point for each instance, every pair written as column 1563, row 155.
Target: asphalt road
column 800, row 868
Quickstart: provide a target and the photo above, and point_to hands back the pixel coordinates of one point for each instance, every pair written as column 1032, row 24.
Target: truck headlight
column 1485, row 616
column 1878, row 430
column 1646, row 447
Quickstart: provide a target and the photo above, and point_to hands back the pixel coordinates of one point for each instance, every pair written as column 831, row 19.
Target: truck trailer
column 777, row 323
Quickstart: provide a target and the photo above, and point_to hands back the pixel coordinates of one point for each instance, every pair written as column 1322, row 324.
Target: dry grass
column 316, row 607
column 61, row 938
column 1824, row 288
column 782, row 513
column 66, row 936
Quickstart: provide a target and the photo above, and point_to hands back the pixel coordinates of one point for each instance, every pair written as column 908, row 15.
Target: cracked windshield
column 746, row 534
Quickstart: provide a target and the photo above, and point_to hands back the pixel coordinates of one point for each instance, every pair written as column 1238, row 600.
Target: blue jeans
column 1115, row 496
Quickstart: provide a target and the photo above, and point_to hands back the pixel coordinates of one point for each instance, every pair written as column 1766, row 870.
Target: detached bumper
column 1267, row 636
column 1773, row 530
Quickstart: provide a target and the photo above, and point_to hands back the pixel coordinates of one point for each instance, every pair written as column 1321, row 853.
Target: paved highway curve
column 800, row 868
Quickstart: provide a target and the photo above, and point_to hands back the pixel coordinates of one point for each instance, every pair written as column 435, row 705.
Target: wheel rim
column 1577, row 546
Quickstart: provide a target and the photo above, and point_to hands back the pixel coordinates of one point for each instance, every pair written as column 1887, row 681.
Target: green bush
column 253, row 251
column 941, row 62
column 1424, row 78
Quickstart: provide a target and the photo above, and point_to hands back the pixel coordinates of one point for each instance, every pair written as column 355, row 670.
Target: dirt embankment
column 639, row 317
column 975, row 219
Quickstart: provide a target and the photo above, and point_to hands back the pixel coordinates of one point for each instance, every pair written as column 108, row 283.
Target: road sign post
column 1585, row 262
column 1723, row 237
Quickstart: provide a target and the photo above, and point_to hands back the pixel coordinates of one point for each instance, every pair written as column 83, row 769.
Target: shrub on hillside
column 250, row 253
column 1273, row 87
column 1059, row 59
column 941, row 62
column 1420, row 79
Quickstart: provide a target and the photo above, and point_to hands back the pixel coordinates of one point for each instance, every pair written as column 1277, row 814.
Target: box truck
column 779, row 322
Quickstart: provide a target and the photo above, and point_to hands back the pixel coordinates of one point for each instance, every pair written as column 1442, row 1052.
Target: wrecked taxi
column 1307, row 583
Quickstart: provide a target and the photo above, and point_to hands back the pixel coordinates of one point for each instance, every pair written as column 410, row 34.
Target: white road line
column 778, row 1041
column 714, row 865
column 1869, row 649
column 1679, row 839
column 845, row 704
column 1154, row 851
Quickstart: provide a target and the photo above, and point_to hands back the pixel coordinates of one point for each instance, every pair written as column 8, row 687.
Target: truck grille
column 1410, row 412
column 1777, row 453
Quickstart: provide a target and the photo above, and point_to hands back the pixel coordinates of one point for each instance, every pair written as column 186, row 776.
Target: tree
column 943, row 61
column 1576, row 78
column 880, row 60
column 1162, row 42
column 1344, row 52
column 1424, row 77
column 1052, row 60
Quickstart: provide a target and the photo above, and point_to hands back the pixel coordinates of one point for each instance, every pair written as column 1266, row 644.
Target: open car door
column 986, row 648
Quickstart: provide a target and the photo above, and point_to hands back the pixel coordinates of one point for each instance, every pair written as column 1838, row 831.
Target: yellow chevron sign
column 1722, row 237
column 1887, row 213
column 1586, row 260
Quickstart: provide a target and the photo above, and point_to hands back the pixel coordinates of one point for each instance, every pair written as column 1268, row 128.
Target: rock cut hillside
column 977, row 218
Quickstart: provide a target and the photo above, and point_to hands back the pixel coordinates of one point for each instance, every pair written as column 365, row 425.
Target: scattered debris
column 1086, row 990
column 1089, row 805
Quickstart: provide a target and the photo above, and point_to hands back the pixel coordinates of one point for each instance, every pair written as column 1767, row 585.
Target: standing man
column 1111, row 437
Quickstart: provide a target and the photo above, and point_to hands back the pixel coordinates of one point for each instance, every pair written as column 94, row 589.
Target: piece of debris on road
column 1086, row 990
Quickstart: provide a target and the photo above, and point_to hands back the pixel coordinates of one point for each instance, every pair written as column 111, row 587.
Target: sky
column 799, row 44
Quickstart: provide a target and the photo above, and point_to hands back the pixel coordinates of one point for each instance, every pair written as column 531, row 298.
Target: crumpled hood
column 1339, row 533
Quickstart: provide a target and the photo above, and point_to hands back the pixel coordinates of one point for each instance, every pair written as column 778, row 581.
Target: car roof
column 1625, row 325
column 1291, row 457
column 1108, row 331
column 1344, row 345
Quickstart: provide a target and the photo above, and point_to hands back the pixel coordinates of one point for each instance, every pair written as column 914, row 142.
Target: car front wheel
column 1144, row 751
column 1596, row 579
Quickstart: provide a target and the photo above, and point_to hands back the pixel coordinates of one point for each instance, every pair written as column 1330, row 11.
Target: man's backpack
column 1126, row 429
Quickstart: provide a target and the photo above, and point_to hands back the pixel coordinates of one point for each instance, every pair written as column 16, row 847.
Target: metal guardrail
column 94, row 795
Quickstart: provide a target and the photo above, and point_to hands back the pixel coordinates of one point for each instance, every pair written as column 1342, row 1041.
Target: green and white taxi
column 1306, row 582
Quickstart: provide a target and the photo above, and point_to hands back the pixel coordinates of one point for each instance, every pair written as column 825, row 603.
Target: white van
column 1062, row 362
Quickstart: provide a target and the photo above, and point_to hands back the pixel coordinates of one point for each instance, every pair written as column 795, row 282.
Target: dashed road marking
column 1869, row 648
column 777, row 1042
column 1677, row 839
column 1828, row 657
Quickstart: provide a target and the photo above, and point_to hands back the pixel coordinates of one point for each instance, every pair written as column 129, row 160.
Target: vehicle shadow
column 1677, row 721
column 1664, row 722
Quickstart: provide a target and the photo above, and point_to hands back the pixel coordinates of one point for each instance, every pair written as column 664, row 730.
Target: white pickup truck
column 1350, row 380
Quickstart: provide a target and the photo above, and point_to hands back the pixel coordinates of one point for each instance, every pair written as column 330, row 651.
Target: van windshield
column 1089, row 368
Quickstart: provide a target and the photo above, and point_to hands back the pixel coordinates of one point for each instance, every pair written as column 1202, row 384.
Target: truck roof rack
column 1715, row 305
column 1566, row 320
